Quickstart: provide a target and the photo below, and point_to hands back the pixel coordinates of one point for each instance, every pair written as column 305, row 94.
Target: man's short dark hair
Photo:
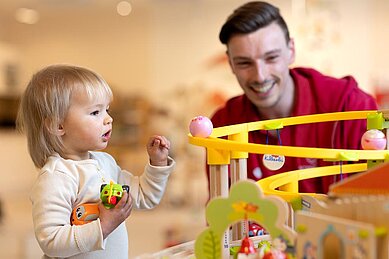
column 251, row 17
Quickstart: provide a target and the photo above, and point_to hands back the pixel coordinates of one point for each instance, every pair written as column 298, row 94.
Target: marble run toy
column 234, row 150
column 349, row 236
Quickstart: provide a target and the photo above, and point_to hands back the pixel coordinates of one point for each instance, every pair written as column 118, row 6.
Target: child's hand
column 110, row 219
column 158, row 150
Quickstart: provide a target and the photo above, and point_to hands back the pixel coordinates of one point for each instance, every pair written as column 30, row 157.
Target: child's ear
column 60, row 130
column 57, row 130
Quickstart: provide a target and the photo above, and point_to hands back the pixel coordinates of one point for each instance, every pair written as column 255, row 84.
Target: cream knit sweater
column 63, row 184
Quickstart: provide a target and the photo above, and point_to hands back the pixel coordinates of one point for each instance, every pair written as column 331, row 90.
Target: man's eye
column 95, row 113
column 243, row 64
column 271, row 58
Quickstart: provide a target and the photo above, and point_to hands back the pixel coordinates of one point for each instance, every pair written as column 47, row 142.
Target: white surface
column 147, row 229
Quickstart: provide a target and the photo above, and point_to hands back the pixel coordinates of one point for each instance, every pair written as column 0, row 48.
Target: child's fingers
column 128, row 207
column 157, row 142
column 125, row 204
column 123, row 201
column 101, row 206
column 163, row 141
column 153, row 142
column 166, row 144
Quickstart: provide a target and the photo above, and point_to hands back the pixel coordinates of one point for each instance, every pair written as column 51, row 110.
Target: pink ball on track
column 373, row 140
column 200, row 126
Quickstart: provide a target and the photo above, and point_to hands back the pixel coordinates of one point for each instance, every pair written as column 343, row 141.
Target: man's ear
column 229, row 62
column 292, row 51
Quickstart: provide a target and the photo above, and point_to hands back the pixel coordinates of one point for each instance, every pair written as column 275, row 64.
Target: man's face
column 260, row 61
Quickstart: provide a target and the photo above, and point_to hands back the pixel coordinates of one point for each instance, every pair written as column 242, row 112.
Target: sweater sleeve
column 52, row 197
column 147, row 190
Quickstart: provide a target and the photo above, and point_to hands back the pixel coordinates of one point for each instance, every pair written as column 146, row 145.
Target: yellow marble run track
column 234, row 151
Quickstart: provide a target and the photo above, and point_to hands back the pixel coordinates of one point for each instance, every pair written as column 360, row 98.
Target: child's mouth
column 107, row 135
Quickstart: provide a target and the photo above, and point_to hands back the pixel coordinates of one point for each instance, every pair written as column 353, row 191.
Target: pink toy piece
column 373, row 140
column 200, row 126
column 247, row 246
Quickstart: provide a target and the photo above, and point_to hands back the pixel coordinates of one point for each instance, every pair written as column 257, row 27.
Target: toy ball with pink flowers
column 200, row 126
column 373, row 140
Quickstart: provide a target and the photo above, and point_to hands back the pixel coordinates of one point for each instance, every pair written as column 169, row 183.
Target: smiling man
column 260, row 52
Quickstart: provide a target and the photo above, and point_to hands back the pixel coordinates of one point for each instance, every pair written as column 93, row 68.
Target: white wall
column 380, row 41
column 338, row 38
column 9, row 57
column 114, row 46
column 17, row 170
column 168, row 44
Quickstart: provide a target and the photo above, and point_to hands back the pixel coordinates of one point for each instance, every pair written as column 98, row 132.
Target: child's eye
column 94, row 113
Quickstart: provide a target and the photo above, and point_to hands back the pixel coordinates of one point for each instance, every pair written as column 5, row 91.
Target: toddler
column 65, row 114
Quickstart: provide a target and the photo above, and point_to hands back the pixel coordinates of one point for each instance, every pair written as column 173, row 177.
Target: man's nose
column 261, row 71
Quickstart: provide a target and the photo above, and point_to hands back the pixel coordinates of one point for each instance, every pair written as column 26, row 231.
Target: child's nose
column 108, row 119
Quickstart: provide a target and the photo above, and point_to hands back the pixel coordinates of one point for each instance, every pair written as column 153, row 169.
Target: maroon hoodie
column 314, row 93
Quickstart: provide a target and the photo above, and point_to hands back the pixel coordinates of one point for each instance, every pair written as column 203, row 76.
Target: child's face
column 86, row 127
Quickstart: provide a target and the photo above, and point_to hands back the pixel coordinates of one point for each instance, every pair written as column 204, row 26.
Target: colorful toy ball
column 373, row 140
column 200, row 126
column 110, row 194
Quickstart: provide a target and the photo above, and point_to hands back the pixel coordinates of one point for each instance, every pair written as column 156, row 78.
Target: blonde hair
column 45, row 103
